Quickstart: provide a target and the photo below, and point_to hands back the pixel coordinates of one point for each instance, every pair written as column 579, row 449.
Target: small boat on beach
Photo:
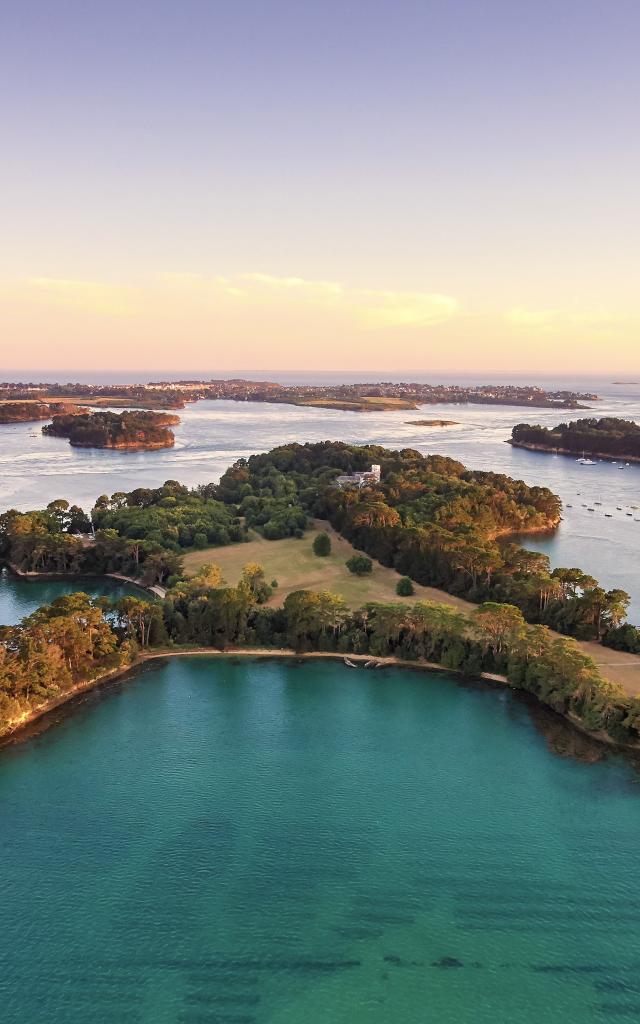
column 351, row 664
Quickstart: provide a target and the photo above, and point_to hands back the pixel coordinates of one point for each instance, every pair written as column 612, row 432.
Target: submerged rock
column 447, row 961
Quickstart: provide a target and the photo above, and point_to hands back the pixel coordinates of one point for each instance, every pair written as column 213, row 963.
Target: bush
column 623, row 638
column 274, row 584
column 359, row 565
column 322, row 545
column 405, row 587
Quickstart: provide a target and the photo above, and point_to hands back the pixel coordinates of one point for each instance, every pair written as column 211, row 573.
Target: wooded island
column 608, row 438
column 133, row 430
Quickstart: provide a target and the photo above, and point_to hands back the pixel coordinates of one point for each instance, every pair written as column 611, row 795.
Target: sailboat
column 585, row 462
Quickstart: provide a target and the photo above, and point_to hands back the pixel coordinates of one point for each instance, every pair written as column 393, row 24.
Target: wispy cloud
column 370, row 308
column 552, row 321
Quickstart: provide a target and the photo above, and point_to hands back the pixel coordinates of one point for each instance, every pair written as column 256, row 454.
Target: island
column 444, row 587
column 130, row 431
column 432, row 423
column 383, row 396
column 606, row 438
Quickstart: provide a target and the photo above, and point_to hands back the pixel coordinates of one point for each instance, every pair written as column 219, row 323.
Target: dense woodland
column 139, row 534
column 136, row 429
column 606, row 436
column 434, row 521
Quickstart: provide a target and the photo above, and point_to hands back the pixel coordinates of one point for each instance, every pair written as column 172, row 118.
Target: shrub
column 274, row 584
column 405, row 587
column 322, row 545
column 359, row 565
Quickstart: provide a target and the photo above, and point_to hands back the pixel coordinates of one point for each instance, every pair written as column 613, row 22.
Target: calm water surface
column 268, row 843
column 21, row 597
column 35, row 469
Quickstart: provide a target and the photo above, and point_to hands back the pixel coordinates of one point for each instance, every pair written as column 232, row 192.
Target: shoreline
column 14, row 733
column 566, row 451
column 22, row 730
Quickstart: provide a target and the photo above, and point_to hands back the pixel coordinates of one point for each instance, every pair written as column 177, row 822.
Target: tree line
column 76, row 638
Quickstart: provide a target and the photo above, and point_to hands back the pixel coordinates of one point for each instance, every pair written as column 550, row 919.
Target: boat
column 569, row 506
column 591, row 510
column 609, row 515
column 628, row 513
column 351, row 664
column 618, row 508
column 586, row 462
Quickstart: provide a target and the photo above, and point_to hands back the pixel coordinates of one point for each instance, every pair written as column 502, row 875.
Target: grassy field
column 293, row 564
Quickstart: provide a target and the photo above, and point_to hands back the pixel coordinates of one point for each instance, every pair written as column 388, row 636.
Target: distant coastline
column 378, row 396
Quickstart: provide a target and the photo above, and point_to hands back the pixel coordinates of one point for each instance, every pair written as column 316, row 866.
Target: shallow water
column 19, row 597
column 222, row 840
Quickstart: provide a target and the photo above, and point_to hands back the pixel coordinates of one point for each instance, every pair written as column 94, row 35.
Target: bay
column 20, row 597
column 236, row 840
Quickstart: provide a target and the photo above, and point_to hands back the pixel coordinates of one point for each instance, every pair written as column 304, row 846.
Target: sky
column 352, row 185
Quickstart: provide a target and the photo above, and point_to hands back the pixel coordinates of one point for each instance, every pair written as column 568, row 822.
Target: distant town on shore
column 15, row 398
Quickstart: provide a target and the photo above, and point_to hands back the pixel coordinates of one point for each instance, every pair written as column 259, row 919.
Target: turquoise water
column 221, row 841
column 21, row 597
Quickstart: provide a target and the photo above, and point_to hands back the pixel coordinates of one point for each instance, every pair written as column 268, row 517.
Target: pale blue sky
column 486, row 152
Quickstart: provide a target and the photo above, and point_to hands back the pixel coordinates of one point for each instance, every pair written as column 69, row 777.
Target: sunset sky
column 357, row 185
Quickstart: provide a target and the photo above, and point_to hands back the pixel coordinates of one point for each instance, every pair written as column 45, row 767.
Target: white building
column 367, row 478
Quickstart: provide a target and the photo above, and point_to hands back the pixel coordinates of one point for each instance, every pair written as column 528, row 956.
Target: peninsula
column 132, row 431
column 606, row 438
column 424, row 522
column 28, row 412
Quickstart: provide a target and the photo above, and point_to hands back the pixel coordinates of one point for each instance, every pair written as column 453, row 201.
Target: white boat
column 351, row 664
column 586, row 462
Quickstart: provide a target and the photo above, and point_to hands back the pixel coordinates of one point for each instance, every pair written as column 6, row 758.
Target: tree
column 498, row 626
column 313, row 616
column 322, row 545
column 405, row 587
column 207, row 577
column 136, row 617
column 359, row 565
column 254, row 584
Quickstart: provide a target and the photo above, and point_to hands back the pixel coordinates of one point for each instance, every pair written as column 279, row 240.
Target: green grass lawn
column 293, row 564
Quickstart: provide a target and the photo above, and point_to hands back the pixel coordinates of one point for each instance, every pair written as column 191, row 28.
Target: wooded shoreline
column 21, row 731
column 567, row 451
